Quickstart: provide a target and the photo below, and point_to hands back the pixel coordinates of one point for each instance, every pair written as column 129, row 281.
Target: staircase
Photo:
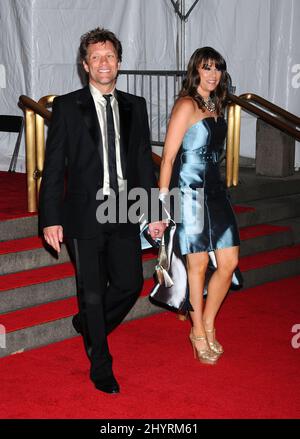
column 38, row 291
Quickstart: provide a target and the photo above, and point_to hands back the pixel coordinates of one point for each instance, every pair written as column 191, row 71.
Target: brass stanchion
column 30, row 159
column 40, row 148
column 40, row 139
column 229, row 145
column 236, row 144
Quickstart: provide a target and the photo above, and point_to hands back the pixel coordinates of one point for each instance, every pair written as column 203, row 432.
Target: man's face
column 102, row 65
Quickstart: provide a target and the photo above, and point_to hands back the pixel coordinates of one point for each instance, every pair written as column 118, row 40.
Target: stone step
column 270, row 265
column 22, row 254
column 59, row 327
column 254, row 187
column 16, row 256
column 45, row 284
column 270, row 210
column 14, row 261
column 294, row 226
column 281, row 236
column 51, row 322
column 251, row 187
column 18, row 228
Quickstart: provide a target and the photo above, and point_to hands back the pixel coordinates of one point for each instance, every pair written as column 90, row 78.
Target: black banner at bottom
column 136, row 428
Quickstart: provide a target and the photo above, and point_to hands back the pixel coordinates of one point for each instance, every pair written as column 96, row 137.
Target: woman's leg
column 227, row 261
column 196, row 269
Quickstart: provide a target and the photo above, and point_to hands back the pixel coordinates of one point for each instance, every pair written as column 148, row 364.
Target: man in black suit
column 100, row 136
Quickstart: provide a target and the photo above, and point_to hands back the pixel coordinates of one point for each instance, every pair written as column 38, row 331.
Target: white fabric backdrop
column 40, row 39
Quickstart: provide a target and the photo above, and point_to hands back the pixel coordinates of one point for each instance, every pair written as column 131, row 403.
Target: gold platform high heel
column 206, row 355
column 215, row 346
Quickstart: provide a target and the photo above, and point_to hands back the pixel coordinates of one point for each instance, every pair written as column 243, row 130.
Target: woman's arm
column 180, row 120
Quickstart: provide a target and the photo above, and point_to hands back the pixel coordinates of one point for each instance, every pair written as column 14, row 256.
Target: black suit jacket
column 74, row 144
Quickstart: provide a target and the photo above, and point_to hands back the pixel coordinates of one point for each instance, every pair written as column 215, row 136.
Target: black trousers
column 109, row 279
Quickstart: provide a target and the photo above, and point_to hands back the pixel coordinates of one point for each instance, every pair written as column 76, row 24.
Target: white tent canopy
column 258, row 38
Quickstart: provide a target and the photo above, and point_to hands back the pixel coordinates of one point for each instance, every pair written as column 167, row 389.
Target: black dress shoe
column 107, row 385
column 76, row 323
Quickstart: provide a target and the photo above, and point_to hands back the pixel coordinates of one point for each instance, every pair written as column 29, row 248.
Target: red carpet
column 20, row 245
column 34, row 242
column 65, row 308
column 43, row 274
column 242, row 209
column 48, row 312
column 262, row 259
column 251, row 232
column 36, row 276
column 257, row 377
column 13, row 195
column 60, row 271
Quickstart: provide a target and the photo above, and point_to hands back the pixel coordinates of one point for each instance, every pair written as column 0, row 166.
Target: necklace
column 209, row 104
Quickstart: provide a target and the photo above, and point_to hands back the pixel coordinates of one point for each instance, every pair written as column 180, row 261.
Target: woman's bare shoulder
column 185, row 104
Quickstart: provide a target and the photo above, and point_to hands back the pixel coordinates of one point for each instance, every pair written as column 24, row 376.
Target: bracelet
column 163, row 196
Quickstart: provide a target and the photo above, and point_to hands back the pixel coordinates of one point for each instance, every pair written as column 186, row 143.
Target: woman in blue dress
column 207, row 222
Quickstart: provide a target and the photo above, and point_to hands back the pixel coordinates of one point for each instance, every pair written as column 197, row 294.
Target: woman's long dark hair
column 202, row 56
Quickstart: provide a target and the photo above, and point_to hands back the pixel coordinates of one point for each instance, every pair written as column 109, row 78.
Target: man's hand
column 53, row 236
column 157, row 229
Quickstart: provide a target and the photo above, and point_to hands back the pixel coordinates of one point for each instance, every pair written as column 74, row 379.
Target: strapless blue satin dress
column 207, row 221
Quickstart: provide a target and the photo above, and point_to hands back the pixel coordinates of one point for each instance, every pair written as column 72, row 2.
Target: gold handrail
column 280, row 119
column 286, row 125
column 36, row 113
column 30, row 159
column 229, row 144
column 290, row 117
column 26, row 102
column 156, row 159
column 40, row 138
